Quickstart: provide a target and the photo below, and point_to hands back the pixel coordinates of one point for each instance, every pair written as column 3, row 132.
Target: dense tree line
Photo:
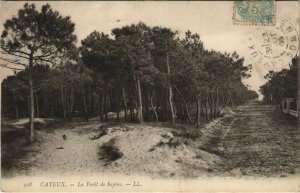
column 281, row 84
column 140, row 73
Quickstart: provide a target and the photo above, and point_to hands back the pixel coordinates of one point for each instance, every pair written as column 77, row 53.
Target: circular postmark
column 274, row 47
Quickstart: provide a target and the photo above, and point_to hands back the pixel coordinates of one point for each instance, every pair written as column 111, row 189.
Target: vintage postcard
column 150, row 96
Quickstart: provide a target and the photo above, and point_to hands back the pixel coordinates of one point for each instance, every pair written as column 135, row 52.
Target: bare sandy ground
column 252, row 141
column 144, row 149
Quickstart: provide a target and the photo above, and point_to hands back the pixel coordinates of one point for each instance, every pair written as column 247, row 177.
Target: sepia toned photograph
column 150, row 96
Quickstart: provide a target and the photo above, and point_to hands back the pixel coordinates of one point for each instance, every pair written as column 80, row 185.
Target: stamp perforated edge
column 236, row 22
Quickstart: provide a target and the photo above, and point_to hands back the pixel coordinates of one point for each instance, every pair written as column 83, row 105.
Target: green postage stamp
column 254, row 12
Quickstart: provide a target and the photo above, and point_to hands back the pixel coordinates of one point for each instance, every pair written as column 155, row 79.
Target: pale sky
column 211, row 20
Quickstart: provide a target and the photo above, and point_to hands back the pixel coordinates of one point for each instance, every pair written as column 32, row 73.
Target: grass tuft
column 109, row 151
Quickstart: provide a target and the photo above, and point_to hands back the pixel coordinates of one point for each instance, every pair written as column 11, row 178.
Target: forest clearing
column 246, row 141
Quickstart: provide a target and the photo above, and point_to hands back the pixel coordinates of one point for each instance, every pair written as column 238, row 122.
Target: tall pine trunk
column 213, row 103
column 185, row 105
column 15, row 104
column 198, row 110
column 158, row 103
column 210, row 102
column 63, row 101
column 201, row 108
column 131, row 104
column 152, row 106
column 118, row 103
column 37, row 106
column 146, row 103
column 105, row 103
column 90, row 106
column 181, row 112
column 169, row 87
column 171, row 105
column 52, row 108
column 71, row 102
column 67, row 103
column 45, row 105
column 140, row 104
column 102, row 106
column 86, row 116
column 125, row 103
column 31, row 108
column 206, row 106
column 217, row 102
column 227, row 100
column 231, row 100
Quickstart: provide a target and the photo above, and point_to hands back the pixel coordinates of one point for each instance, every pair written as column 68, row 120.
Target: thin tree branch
column 18, row 51
column 16, row 62
column 36, row 90
column 13, row 54
column 12, row 68
column 44, row 56
column 45, row 60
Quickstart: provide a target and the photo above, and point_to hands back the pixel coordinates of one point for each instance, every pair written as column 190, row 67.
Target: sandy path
column 261, row 142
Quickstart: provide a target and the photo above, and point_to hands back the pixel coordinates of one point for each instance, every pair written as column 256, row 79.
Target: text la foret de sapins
column 87, row 184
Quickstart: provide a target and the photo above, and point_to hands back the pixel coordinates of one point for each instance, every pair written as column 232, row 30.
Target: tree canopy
column 144, row 73
column 281, row 84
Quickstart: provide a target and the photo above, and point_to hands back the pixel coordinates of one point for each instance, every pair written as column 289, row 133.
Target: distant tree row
column 140, row 73
column 281, row 84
